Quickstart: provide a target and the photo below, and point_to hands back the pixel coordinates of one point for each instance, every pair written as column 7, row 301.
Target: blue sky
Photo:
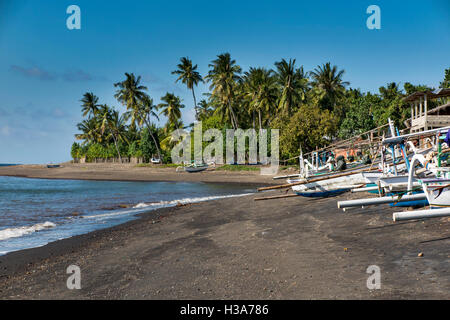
column 45, row 68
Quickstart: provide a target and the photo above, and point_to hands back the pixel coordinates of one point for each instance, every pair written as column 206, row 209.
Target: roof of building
column 438, row 93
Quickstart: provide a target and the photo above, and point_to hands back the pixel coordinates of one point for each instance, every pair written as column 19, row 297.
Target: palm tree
column 204, row 109
column 89, row 131
column 89, row 105
column 139, row 104
column 130, row 92
column 145, row 111
column 390, row 92
column 260, row 91
column 293, row 83
column 224, row 76
column 329, row 79
column 188, row 74
column 171, row 109
column 115, row 124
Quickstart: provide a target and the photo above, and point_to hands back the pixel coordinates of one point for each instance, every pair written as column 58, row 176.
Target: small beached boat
column 196, row 168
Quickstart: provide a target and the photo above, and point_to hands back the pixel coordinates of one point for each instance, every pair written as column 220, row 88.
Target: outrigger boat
column 155, row 160
column 193, row 167
column 334, row 184
column 321, row 192
column 437, row 190
column 196, row 167
column 388, row 170
column 411, row 183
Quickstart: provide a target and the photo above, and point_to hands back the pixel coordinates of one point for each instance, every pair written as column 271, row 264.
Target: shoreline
column 127, row 172
column 228, row 249
column 131, row 208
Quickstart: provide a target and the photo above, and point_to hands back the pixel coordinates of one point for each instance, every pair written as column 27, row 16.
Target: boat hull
column 355, row 179
column 372, row 177
column 437, row 192
column 195, row 169
column 322, row 194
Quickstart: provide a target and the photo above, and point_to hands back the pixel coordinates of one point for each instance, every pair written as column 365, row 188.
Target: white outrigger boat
column 412, row 184
column 340, row 184
column 437, row 192
column 321, row 192
column 194, row 167
column 155, row 160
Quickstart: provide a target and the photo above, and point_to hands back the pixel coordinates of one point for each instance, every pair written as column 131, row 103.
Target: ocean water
column 34, row 212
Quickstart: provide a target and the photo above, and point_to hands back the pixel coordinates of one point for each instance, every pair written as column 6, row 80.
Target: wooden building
column 423, row 118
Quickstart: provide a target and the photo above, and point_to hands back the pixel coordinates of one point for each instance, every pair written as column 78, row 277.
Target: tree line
column 311, row 108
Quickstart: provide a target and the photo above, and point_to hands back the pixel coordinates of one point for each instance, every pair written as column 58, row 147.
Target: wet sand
column 237, row 248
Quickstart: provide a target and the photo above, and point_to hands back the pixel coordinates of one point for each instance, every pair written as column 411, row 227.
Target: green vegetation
column 311, row 109
column 148, row 165
column 237, row 167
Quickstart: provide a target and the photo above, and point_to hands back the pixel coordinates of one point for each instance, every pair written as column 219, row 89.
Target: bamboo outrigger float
column 421, row 214
column 380, row 200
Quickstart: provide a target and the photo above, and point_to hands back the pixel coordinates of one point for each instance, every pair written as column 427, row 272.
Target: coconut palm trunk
column 234, row 122
column 254, row 119
column 260, row 121
column 117, row 147
column 154, row 140
column 195, row 104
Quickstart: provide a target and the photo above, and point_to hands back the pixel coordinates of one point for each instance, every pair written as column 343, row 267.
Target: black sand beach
column 130, row 172
column 237, row 248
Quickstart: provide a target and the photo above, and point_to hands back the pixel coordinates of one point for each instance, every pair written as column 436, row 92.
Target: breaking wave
column 21, row 231
column 141, row 207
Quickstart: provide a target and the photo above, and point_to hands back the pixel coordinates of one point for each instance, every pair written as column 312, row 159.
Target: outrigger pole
column 400, row 139
column 421, row 214
column 380, row 200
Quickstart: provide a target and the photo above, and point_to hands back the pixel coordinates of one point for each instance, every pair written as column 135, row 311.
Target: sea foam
column 186, row 201
column 21, row 231
column 142, row 207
